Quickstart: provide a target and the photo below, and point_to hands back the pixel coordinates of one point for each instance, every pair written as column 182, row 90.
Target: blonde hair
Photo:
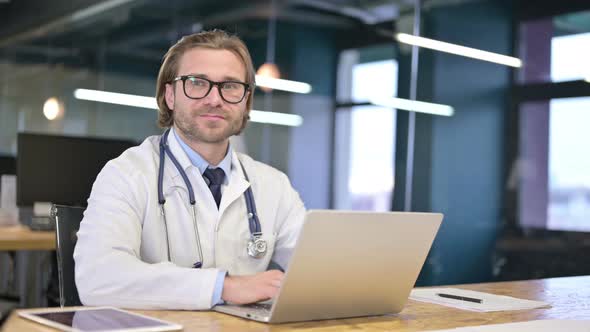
column 214, row 39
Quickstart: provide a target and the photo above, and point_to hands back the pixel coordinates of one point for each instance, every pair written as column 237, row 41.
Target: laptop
column 348, row 264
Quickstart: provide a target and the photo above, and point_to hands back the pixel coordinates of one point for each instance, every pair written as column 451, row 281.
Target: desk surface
column 569, row 298
column 22, row 238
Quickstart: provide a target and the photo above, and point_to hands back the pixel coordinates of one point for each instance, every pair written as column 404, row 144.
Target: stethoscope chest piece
column 257, row 247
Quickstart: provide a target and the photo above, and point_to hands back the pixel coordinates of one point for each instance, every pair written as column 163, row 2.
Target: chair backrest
column 67, row 222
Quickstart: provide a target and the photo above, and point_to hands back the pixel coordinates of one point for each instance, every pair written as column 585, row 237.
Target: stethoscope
column 256, row 246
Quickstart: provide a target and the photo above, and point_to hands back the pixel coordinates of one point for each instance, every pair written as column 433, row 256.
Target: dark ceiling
column 78, row 32
column 136, row 33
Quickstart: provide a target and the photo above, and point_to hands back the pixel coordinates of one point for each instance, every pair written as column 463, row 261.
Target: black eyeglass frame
column 183, row 78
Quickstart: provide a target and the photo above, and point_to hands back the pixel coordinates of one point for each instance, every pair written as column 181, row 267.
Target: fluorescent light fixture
column 116, row 98
column 280, row 84
column 458, row 49
column 413, row 105
column 282, row 119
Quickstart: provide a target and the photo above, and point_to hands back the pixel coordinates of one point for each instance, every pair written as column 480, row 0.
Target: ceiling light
column 285, row 85
column 116, row 98
column 268, row 70
column 413, row 105
column 53, row 108
column 459, row 50
column 283, row 119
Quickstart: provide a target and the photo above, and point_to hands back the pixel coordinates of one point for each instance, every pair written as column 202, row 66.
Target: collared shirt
column 199, row 162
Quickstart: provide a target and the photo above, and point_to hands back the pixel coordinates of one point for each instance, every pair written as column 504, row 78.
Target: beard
column 197, row 129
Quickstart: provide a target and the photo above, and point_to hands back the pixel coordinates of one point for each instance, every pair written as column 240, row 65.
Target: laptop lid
column 349, row 263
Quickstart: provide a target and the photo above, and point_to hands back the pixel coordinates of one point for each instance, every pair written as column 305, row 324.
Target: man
column 138, row 250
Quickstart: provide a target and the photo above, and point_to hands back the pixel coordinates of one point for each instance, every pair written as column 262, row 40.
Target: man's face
column 210, row 119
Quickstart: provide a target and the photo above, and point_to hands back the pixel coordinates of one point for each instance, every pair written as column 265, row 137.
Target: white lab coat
column 121, row 253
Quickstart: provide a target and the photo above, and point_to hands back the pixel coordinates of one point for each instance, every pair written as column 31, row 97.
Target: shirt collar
column 199, row 162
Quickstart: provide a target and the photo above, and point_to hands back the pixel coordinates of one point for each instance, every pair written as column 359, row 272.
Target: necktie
column 215, row 177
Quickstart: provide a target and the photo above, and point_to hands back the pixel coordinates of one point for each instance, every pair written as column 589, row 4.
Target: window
column 569, row 165
column 554, row 158
column 365, row 134
column 569, row 57
column 555, row 49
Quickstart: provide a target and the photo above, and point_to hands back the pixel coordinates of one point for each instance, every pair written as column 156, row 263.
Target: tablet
column 104, row 319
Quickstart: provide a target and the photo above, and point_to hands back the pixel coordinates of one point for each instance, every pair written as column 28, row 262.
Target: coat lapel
column 236, row 187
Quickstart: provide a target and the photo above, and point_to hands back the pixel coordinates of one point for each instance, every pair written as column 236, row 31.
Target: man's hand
column 254, row 288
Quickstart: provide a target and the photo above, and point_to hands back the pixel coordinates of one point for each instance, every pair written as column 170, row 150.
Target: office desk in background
column 15, row 238
column 33, row 253
column 569, row 297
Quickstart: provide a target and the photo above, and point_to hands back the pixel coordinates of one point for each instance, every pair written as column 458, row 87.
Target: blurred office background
column 510, row 168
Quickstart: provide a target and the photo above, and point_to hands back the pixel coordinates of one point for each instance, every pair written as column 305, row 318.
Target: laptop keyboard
column 261, row 306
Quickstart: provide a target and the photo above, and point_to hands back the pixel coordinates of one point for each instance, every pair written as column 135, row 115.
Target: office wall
column 310, row 155
column 459, row 160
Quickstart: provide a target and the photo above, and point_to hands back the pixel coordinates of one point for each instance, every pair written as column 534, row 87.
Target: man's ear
column 169, row 96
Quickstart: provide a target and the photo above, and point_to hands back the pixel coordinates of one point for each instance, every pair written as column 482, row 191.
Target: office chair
column 67, row 222
column 7, row 305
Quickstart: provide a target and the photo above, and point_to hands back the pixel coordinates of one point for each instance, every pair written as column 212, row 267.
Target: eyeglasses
column 194, row 87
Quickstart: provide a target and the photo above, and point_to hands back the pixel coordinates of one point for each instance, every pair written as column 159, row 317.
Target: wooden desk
column 22, row 238
column 569, row 297
column 33, row 250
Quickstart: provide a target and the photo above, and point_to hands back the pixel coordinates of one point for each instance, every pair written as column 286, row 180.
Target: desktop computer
column 59, row 170
column 7, row 165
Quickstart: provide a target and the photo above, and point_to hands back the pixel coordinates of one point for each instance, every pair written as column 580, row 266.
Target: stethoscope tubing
column 253, row 221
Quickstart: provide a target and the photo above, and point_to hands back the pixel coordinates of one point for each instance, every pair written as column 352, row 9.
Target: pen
column 461, row 298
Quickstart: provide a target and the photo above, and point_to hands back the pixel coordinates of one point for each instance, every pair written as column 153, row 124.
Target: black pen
column 461, row 298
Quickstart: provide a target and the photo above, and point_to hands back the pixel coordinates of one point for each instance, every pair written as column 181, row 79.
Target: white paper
column 490, row 302
column 531, row 326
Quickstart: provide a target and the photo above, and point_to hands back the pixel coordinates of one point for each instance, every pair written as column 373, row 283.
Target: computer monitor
column 61, row 169
column 7, row 165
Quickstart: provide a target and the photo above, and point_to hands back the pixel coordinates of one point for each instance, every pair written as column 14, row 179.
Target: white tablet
column 103, row 319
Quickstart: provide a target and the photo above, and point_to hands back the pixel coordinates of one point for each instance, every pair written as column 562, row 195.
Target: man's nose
column 214, row 97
